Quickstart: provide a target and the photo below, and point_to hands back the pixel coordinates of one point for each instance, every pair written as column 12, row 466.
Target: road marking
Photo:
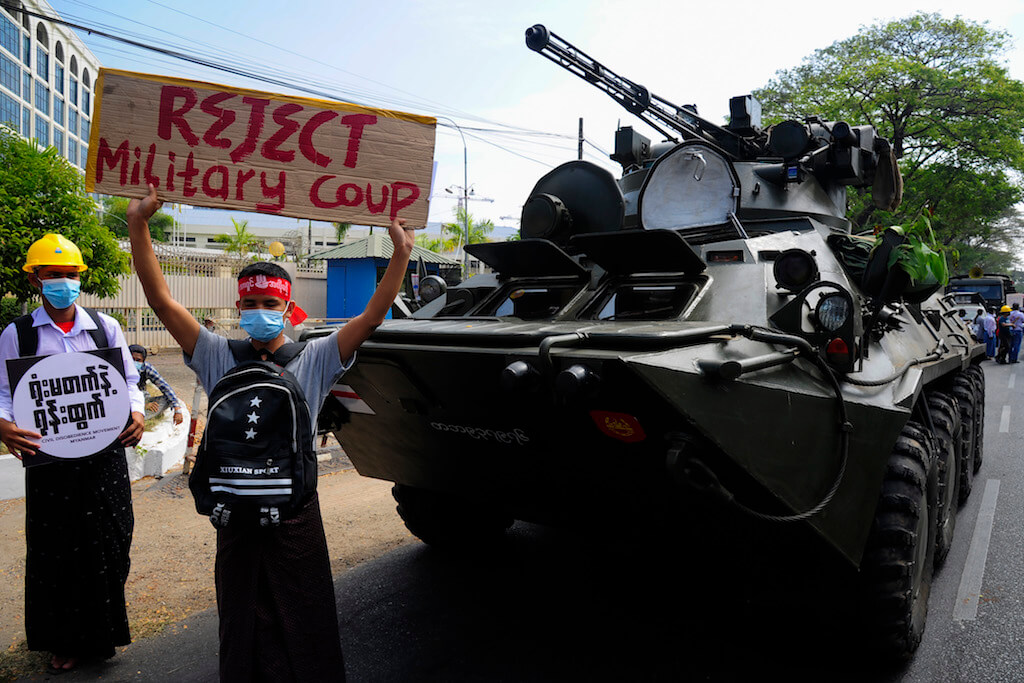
column 1013, row 380
column 966, row 606
column 1004, row 421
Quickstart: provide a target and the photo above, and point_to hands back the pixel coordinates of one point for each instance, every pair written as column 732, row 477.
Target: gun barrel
column 659, row 113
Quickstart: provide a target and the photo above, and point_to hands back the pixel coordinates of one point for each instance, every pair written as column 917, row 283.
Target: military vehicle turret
column 700, row 340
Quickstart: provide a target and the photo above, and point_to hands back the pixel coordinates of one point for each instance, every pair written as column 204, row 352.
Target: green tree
column 454, row 234
column 41, row 192
column 242, row 242
column 114, row 217
column 938, row 90
column 340, row 230
column 434, row 244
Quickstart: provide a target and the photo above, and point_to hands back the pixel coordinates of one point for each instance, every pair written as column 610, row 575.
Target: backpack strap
column 28, row 334
column 99, row 335
column 288, row 352
column 243, row 351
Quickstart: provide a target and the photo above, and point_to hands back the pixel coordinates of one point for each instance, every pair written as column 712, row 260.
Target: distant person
column 1005, row 334
column 1016, row 319
column 991, row 333
column 78, row 513
column 155, row 405
column 978, row 325
column 275, row 593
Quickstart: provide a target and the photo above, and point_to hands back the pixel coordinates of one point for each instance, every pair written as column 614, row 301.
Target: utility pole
column 464, row 208
column 580, row 156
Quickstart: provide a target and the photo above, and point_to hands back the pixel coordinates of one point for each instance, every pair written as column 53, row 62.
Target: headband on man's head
column 273, row 286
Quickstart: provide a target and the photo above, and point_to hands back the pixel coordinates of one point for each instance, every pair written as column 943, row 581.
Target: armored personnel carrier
column 700, row 340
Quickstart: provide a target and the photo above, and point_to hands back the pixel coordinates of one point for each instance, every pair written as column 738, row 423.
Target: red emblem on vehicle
column 618, row 425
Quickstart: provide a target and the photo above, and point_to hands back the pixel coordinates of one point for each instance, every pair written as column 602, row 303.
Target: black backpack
column 256, row 457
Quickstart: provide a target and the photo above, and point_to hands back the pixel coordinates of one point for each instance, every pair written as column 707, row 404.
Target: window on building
column 85, row 129
column 26, row 86
column 190, row 239
column 42, row 37
column 83, row 154
column 42, row 98
column 72, row 121
column 10, row 110
column 58, row 52
column 42, row 64
column 58, row 140
column 26, row 50
column 26, row 122
column 58, row 111
column 73, row 90
column 42, row 131
column 86, row 84
column 58, row 78
column 9, row 35
column 72, row 152
column 10, row 75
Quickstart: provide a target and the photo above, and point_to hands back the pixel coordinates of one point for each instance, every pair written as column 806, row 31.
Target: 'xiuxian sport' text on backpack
column 256, row 459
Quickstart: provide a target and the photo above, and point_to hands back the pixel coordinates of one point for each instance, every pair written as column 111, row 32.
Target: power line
column 305, row 84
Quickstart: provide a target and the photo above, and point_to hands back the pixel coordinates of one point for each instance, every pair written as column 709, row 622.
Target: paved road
column 553, row 606
column 978, row 635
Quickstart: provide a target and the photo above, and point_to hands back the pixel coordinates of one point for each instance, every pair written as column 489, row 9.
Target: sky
column 466, row 62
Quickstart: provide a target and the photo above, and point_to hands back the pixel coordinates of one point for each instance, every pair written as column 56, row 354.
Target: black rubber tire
column 964, row 391
column 977, row 376
column 448, row 521
column 947, row 449
column 898, row 564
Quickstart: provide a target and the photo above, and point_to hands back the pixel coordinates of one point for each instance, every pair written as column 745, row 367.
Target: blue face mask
column 138, row 365
column 61, row 292
column 261, row 324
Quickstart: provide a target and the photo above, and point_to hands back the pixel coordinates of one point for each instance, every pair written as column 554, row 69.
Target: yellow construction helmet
column 1005, row 309
column 53, row 250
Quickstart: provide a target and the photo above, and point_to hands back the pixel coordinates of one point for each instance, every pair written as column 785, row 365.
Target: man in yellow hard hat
column 78, row 524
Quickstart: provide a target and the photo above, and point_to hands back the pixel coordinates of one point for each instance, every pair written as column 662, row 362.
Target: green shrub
column 10, row 308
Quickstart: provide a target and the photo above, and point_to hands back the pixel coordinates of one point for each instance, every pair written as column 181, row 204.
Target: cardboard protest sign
column 77, row 401
column 232, row 148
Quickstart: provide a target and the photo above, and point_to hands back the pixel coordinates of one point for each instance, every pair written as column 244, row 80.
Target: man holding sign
column 275, row 594
column 79, row 517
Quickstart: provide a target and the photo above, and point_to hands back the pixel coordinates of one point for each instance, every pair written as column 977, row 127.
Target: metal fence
column 205, row 284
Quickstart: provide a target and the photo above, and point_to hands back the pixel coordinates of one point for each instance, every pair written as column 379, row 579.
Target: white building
column 46, row 80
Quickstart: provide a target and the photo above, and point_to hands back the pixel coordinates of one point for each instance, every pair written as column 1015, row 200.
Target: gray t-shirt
column 316, row 369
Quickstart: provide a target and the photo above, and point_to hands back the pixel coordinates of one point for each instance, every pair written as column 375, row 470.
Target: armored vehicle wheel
column 971, row 420
column 447, row 521
column 945, row 414
column 977, row 375
column 896, row 572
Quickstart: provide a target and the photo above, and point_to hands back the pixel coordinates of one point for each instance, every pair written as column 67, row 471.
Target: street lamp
column 465, row 196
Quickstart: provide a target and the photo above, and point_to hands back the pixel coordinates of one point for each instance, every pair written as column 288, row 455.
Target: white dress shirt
column 53, row 340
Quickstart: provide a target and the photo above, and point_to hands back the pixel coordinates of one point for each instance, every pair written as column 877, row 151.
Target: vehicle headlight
column 833, row 311
column 795, row 269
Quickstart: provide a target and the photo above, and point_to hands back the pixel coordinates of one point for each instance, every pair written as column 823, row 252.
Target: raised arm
column 175, row 317
column 359, row 328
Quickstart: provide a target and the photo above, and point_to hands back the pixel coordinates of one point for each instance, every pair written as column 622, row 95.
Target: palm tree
column 454, row 234
column 340, row 230
column 242, row 242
